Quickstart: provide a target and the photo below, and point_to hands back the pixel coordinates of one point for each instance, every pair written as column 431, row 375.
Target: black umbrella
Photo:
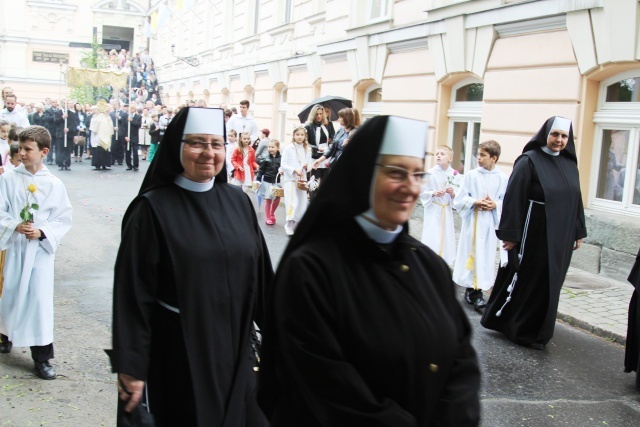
column 335, row 104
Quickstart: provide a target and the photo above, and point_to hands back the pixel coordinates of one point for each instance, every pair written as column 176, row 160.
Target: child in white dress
column 296, row 161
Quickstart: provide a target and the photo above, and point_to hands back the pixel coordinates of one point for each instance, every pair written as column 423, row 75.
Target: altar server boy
column 479, row 203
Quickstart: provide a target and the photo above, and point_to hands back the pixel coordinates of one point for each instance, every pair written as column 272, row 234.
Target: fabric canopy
column 97, row 78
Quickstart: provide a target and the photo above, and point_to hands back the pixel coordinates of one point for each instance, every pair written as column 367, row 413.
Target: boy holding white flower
column 438, row 231
column 35, row 214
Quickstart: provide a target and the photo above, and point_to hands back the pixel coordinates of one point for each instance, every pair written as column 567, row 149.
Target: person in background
column 362, row 323
column 296, row 162
column 542, row 223
column 154, row 132
column 262, row 148
column 78, row 119
column 192, row 266
column 144, row 138
column 134, row 119
column 266, row 178
column 438, row 231
column 479, row 203
column 232, row 144
column 244, row 163
column 14, row 157
column 347, row 120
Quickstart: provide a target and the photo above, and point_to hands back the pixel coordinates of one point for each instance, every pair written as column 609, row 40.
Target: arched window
column 464, row 123
column 372, row 102
column 615, row 177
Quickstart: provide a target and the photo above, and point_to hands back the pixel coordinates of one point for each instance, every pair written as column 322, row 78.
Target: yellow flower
column 31, row 187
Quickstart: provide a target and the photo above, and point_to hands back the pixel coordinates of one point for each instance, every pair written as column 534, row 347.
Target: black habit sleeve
column 516, row 201
column 134, row 293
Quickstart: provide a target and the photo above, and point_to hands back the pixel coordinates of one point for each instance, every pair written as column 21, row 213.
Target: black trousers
column 39, row 353
column 54, row 144
column 63, row 154
column 117, row 149
column 133, row 150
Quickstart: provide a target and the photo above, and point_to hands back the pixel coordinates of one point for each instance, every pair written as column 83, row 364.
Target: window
column 378, row 9
column 626, row 90
column 464, row 123
column 470, row 93
column 372, row 102
column 615, row 177
column 282, row 117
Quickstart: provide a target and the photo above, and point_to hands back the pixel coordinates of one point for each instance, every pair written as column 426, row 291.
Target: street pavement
column 576, row 381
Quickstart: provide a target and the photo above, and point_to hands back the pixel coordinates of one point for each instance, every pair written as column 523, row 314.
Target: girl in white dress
column 296, row 161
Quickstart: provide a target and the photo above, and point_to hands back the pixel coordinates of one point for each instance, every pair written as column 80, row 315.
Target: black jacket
column 54, row 122
column 268, row 169
column 311, row 137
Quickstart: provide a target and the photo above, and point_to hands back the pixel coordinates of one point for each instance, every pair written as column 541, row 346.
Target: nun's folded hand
column 130, row 390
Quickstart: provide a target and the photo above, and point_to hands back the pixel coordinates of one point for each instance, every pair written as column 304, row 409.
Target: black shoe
column 129, row 169
column 467, row 295
column 479, row 303
column 135, row 169
column 537, row 346
column 119, row 163
column 45, row 371
column 60, row 168
column 5, row 347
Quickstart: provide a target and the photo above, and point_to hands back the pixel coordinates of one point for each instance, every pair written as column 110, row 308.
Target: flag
column 179, row 5
column 163, row 16
column 154, row 20
column 147, row 31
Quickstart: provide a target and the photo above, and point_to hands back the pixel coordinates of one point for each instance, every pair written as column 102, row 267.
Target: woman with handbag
column 79, row 135
column 296, row 161
column 266, row 178
column 144, row 137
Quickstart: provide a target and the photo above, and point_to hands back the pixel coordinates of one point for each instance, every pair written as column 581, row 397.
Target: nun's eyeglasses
column 556, row 134
column 398, row 174
column 197, row 146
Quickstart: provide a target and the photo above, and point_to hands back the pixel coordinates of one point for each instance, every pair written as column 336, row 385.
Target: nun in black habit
column 363, row 327
column 189, row 279
column 542, row 224
column 632, row 349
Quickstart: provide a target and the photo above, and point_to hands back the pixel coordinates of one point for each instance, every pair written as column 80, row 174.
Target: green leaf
column 35, row 206
column 22, row 214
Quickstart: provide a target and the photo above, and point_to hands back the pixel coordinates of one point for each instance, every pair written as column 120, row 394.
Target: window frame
column 464, row 111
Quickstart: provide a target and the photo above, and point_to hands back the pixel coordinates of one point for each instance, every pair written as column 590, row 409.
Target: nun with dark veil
column 188, row 285
column 363, row 327
column 632, row 349
column 542, row 224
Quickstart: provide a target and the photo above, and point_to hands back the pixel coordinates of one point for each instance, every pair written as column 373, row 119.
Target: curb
column 595, row 330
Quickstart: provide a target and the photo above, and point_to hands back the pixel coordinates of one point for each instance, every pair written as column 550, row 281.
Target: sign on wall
column 53, row 57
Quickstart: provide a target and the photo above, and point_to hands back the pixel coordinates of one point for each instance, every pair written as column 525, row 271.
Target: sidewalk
column 596, row 304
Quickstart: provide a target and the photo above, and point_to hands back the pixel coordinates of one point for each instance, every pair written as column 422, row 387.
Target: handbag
column 276, row 189
column 80, row 140
column 302, row 185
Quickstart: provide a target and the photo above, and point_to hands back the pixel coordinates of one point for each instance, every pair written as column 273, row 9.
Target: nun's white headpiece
column 560, row 124
column 405, row 137
column 208, row 121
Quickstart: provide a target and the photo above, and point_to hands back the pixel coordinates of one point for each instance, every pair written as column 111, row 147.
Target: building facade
column 475, row 70
column 39, row 39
